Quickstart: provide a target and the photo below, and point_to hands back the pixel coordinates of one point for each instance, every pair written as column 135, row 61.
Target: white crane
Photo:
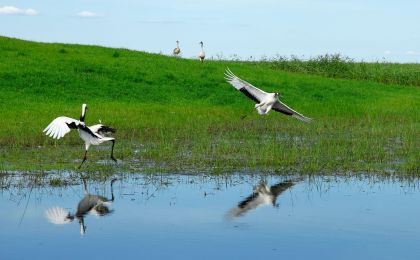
column 265, row 101
column 262, row 195
column 202, row 54
column 177, row 50
column 92, row 135
column 95, row 204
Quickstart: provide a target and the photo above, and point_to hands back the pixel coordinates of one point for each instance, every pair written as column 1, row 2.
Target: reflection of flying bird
column 92, row 135
column 202, row 54
column 265, row 101
column 177, row 50
column 262, row 195
column 94, row 204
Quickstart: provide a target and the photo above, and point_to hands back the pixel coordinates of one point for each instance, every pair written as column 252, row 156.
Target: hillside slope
column 177, row 114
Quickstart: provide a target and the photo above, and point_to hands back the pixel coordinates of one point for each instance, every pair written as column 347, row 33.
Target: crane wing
column 102, row 129
column 279, row 188
column 249, row 90
column 251, row 202
column 283, row 108
column 58, row 216
column 61, row 126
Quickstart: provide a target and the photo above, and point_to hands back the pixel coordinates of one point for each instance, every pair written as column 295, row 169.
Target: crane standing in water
column 92, row 135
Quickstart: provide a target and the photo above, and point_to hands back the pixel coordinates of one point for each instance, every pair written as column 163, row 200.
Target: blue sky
column 361, row 29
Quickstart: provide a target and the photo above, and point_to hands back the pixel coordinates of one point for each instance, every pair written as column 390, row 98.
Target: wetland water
column 209, row 217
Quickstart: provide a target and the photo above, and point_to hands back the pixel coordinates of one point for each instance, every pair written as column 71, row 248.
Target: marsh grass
column 339, row 66
column 178, row 115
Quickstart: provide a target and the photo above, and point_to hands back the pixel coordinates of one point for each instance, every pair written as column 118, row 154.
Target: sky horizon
column 370, row 30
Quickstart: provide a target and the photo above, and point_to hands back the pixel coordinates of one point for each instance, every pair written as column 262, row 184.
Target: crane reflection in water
column 94, row 204
column 262, row 195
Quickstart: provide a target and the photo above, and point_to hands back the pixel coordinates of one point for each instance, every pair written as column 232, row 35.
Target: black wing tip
column 72, row 125
column 247, row 200
column 279, row 188
column 107, row 129
column 294, row 114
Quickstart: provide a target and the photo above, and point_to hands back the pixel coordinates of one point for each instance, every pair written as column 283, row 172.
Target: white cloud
column 412, row 53
column 387, row 52
column 87, row 14
column 14, row 10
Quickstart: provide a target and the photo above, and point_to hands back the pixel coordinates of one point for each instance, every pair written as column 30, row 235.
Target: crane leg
column 112, row 151
column 84, row 159
column 112, row 189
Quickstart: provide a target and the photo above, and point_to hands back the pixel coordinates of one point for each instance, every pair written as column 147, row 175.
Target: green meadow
column 180, row 115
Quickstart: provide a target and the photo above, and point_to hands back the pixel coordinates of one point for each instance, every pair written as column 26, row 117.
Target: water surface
column 210, row 217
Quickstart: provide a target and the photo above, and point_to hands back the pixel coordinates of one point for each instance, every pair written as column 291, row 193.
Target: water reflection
column 165, row 216
column 94, row 204
column 262, row 195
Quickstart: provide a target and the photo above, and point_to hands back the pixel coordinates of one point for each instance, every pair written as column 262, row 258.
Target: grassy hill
column 176, row 114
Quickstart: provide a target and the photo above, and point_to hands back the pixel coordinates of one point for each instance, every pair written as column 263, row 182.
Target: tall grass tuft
column 338, row 66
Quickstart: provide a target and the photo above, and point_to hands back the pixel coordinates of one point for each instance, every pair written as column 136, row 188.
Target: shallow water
column 190, row 217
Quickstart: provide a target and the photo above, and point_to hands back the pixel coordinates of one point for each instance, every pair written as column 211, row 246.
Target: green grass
column 180, row 115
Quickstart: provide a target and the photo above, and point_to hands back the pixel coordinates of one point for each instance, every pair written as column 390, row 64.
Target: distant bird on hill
column 265, row 101
column 92, row 135
column 177, row 50
column 202, row 54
